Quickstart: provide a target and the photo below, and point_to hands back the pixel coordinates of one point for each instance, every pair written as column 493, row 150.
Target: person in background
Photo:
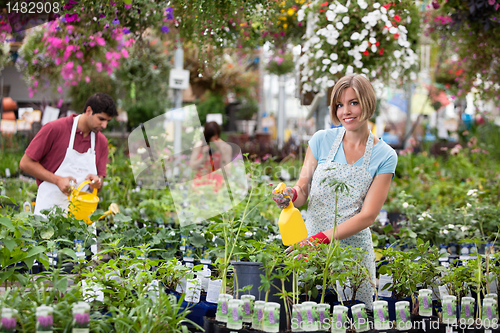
column 69, row 149
column 349, row 154
column 208, row 157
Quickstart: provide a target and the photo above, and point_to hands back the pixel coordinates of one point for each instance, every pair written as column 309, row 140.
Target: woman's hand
column 283, row 199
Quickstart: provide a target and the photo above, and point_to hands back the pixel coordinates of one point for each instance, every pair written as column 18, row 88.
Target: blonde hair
column 364, row 92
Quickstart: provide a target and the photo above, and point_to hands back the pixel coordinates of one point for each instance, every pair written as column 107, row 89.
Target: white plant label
column 213, row 291
column 344, row 291
column 193, row 290
column 181, row 286
column 383, row 281
column 493, row 284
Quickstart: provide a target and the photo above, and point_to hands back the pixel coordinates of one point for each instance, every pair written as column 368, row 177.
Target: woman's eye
column 339, row 106
column 354, row 103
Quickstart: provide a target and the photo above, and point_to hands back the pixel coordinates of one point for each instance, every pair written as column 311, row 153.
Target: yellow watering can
column 291, row 224
column 83, row 204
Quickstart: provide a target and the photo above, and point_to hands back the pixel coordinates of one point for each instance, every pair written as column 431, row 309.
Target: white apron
column 321, row 208
column 75, row 164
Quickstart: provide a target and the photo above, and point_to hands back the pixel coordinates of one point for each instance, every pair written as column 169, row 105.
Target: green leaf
column 387, row 228
column 68, row 252
column 29, row 262
column 36, row 250
column 48, row 233
column 10, row 244
column 5, row 275
column 6, row 222
column 61, row 284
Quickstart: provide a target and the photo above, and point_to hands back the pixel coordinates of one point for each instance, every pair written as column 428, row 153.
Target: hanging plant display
column 376, row 39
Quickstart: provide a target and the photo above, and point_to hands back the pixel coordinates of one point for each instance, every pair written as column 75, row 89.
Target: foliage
column 468, row 31
column 5, row 57
column 66, row 51
column 98, row 82
column 377, row 39
column 210, row 102
column 281, row 64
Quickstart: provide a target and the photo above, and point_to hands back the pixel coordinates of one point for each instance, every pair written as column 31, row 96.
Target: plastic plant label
column 235, row 314
column 449, row 309
column 213, row 291
column 297, row 322
column 193, row 290
column 381, row 315
column 425, row 303
column 339, row 321
column 493, row 284
column 8, row 320
column 403, row 321
column 223, row 307
column 258, row 315
column 360, row 318
column 248, row 307
column 385, row 281
column 467, row 309
column 44, row 319
column 345, row 291
column 81, row 317
column 271, row 317
column 181, row 286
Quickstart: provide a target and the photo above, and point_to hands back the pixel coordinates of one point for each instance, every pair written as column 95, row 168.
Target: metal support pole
column 178, row 64
column 281, row 112
column 408, row 125
column 262, row 97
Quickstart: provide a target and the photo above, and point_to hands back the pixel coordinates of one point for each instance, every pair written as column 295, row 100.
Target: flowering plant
column 281, row 64
column 377, row 39
column 468, row 31
column 60, row 51
column 5, row 57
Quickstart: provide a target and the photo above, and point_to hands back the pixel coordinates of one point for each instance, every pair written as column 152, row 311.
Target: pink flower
column 98, row 67
column 79, row 69
column 124, row 53
column 59, row 104
column 100, row 41
column 79, row 54
column 87, row 79
column 491, row 2
column 59, row 89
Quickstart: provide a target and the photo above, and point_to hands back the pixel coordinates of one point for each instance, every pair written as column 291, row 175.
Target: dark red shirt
column 49, row 145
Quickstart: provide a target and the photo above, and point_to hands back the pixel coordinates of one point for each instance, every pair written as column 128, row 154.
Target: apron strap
column 336, row 144
column 92, row 141
column 368, row 151
column 73, row 132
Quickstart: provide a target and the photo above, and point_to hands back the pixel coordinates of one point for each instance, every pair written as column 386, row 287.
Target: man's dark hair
column 211, row 129
column 101, row 102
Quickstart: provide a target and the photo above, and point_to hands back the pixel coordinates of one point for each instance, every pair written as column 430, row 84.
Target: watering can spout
column 291, row 224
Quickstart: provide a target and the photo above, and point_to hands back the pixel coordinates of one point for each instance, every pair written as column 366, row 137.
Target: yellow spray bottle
column 291, row 224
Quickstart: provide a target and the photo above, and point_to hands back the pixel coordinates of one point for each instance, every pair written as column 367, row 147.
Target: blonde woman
column 349, row 154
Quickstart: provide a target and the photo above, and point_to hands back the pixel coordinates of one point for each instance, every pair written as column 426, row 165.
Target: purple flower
column 127, row 6
column 170, row 13
column 102, row 16
column 71, row 18
column 435, row 5
column 491, row 2
column 126, row 31
column 115, row 21
column 164, row 29
column 9, row 323
column 70, row 4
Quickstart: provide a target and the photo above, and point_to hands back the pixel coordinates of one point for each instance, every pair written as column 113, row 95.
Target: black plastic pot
column 248, row 273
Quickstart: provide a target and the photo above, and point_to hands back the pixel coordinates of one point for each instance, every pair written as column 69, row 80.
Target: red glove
column 318, row 238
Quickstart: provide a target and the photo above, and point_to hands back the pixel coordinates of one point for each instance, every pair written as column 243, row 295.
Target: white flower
column 330, row 27
column 339, row 25
column 349, row 70
column 383, row 10
column 340, row 67
column 341, row 9
column 393, row 30
column 363, row 46
column 141, row 150
column 345, row 20
column 395, row 75
column 334, row 69
column 397, row 53
column 405, row 204
column 355, row 36
column 362, row 4
column 472, row 193
column 296, row 50
column 154, row 137
column 402, row 29
column 347, row 44
column 326, row 61
column 376, row 5
column 319, row 54
column 469, row 205
column 307, row 87
column 372, row 40
column 332, row 6
column 451, row 226
column 391, row 13
column 330, row 15
column 358, row 63
column 300, row 15
column 413, row 76
column 330, row 83
column 374, row 48
column 365, row 70
column 331, row 40
column 334, row 56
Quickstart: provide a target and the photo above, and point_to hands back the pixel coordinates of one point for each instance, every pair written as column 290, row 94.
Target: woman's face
column 349, row 110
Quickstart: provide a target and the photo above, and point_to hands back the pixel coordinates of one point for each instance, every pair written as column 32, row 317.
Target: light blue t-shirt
column 384, row 159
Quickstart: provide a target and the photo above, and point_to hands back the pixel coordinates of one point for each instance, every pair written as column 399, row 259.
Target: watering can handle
column 280, row 188
column 80, row 188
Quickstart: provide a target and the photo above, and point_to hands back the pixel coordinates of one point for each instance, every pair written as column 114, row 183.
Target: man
column 70, row 149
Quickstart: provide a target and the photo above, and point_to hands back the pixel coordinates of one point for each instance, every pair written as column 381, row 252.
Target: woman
column 349, row 154
column 207, row 157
